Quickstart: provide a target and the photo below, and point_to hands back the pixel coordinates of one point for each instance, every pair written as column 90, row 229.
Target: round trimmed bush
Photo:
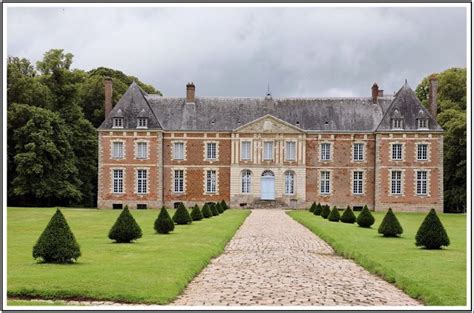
column 326, row 211
column 125, row 228
column 318, row 209
column 219, row 208
column 390, row 226
column 57, row 243
column 348, row 216
column 213, row 208
column 334, row 216
column 206, row 211
column 224, row 205
column 365, row 218
column 181, row 216
column 196, row 214
column 312, row 207
column 164, row 224
column 431, row 233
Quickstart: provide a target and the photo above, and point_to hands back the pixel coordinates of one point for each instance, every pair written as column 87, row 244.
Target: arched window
column 246, row 181
column 289, row 182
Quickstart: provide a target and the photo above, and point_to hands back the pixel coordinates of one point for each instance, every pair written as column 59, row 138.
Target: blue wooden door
column 268, row 188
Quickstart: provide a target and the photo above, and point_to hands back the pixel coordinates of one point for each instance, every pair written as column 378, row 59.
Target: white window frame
column 141, row 153
column 325, row 148
column 421, row 153
column 178, row 154
column 421, row 183
column 358, row 182
column 211, row 154
column 289, row 183
column 358, row 151
column 211, row 181
column 290, row 153
column 397, row 155
column 142, row 122
column 178, row 181
column 325, row 182
column 397, row 123
column 396, row 183
column 115, row 154
column 117, row 122
column 118, row 175
column 246, row 181
column 268, row 150
column 246, row 155
column 142, row 181
column 422, row 123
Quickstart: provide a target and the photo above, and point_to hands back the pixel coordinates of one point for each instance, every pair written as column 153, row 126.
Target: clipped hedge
column 390, row 226
column 365, row 218
column 431, row 233
column 206, row 211
column 334, row 216
column 181, row 216
column 164, row 224
column 326, row 211
column 348, row 216
column 125, row 229
column 318, row 209
column 196, row 214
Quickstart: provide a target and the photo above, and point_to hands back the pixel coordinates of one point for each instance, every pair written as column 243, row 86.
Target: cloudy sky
column 238, row 51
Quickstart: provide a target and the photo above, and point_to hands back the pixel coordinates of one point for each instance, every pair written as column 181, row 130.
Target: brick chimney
column 433, row 95
column 108, row 95
column 375, row 93
column 190, row 93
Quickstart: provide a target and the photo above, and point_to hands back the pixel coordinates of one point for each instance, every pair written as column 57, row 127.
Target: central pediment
column 269, row 124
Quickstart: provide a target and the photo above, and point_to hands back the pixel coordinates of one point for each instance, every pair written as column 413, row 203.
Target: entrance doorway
column 267, row 186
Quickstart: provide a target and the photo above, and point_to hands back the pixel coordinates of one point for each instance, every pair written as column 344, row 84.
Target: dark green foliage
column 125, row 228
column 181, row 216
column 312, row 207
column 348, row 216
column 431, row 233
column 334, row 216
column 224, row 205
column 213, row 208
column 196, row 214
column 390, row 226
column 219, row 208
column 325, row 211
column 206, row 211
column 318, row 209
column 164, row 224
column 365, row 218
column 57, row 243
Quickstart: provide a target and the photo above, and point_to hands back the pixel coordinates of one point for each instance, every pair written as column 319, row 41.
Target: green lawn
column 35, row 303
column 155, row 269
column 437, row 277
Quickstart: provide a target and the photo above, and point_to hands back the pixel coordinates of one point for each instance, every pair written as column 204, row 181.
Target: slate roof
column 230, row 113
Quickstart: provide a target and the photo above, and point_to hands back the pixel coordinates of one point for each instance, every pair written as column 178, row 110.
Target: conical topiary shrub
column 431, row 233
column 219, row 208
column 181, row 216
column 318, row 209
column 206, row 211
column 348, row 216
column 224, row 205
column 365, row 218
column 213, row 208
column 312, row 207
column 326, row 211
column 125, row 228
column 334, row 216
column 390, row 226
column 56, row 243
column 196, row 214
column 164, row 224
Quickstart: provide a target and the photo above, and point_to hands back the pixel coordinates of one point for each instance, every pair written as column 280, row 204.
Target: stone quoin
column 383, row 151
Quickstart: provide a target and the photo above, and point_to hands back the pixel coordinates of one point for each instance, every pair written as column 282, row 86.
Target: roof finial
column 268, row 90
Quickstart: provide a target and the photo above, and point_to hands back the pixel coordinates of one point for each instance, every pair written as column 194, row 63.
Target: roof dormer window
column 142, row 122
column 118, row 122
column 422, row 123
column 397, row 123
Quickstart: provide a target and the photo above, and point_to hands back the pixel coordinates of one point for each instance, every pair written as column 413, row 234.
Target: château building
column 383, row 151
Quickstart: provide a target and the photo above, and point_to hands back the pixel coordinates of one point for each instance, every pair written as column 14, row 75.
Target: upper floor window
column 211, row 151
column 142, row 181
column 290, row 151
column 358, row 183
column 325, row 182
column 397, row 123
column 358, row 151
column 178, row 151
column 289, row 183
column 422, row 123
column 117, row 150
column 325, row 151
column 118, row 181
column 142, row 150
column 422, row 152
column 246, row 181
column 268, row 150
column 118, row 122
column 397, row 151
column 245, row 152
column 211, row 181
column 142, row 122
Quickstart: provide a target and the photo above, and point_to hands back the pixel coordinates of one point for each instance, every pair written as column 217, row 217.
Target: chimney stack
column 433, row 95
column 190, row 93
column 375, row 93
column 108, row 95
column 380, row 93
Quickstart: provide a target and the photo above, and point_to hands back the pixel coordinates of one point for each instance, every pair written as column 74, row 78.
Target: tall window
column 141, row 181
column 325, row 151
column 268, row 150
column 245, row 152
column 178, row 151
column 421, row 183
column 117, row 148
column 422, row 153
column 118, row 181
column 290, row 150
column 396, row 182
column 142, row 150
column 397, row 151
column 178, row 181
column 422, row 123
column 142, row 122
column 211, row 181
column 289, row 183
column 358, row 151
column 358, row 182
column 325, row 182
column 211, row 149
column 246, row 181
column 118, row 122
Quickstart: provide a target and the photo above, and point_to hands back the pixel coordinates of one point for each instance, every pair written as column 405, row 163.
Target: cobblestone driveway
column 273, row 260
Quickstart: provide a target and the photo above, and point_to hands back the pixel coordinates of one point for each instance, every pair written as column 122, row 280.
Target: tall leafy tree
column 452, row 117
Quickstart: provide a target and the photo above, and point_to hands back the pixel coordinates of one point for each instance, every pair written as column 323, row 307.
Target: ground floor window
column 357, row 187
column 118, row 181
column 289, row 183
column 246, row 181
column 142, row 181
column 325, row 182
column 396, row 182
column 211, row 181
column 421, row 183
column 178, row 181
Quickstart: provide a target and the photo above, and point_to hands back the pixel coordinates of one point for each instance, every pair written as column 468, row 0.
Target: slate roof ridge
column 262, row 98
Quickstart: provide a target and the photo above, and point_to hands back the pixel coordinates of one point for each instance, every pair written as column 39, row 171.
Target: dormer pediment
column 269, row 124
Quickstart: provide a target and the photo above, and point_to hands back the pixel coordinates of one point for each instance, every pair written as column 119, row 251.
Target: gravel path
column 273, row 260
